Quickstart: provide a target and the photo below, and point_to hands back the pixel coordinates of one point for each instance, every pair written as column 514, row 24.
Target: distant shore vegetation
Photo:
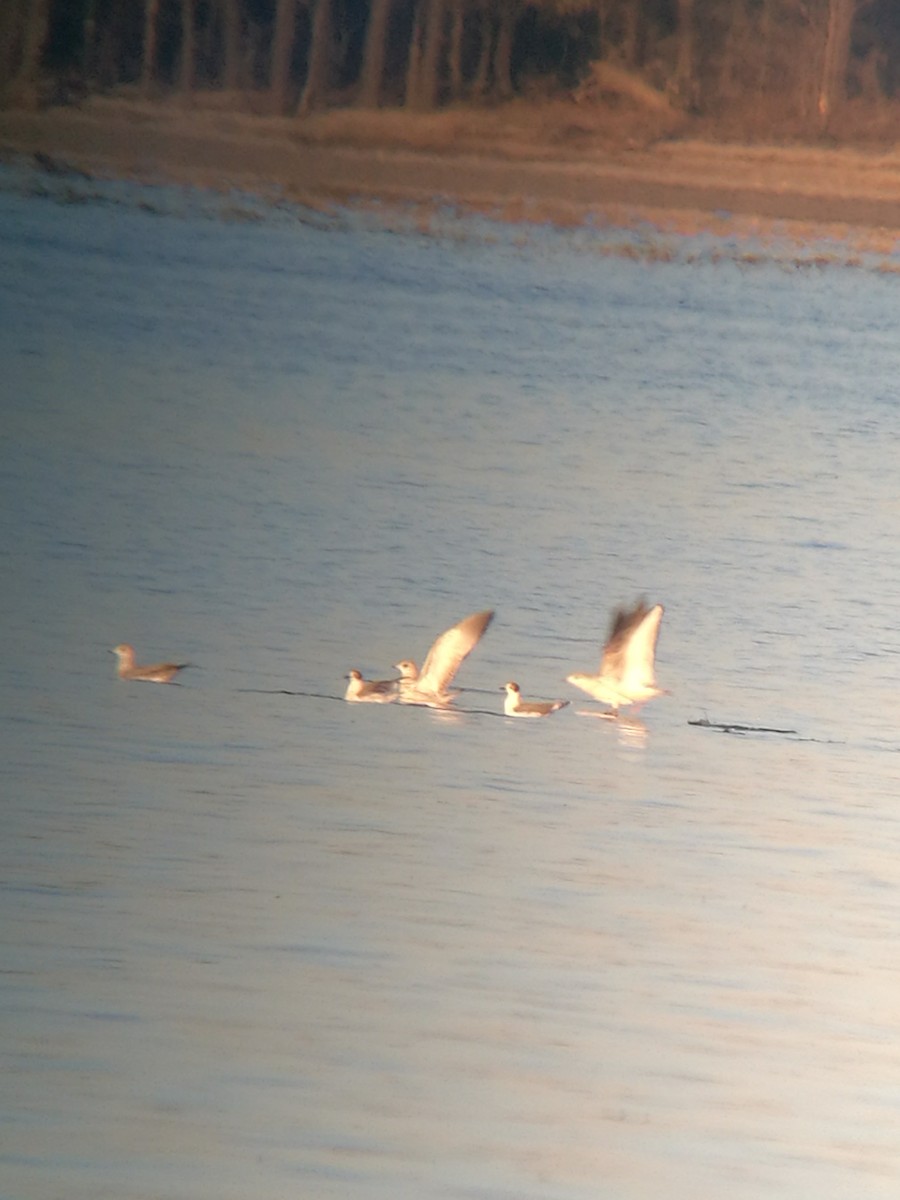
column 742, row 68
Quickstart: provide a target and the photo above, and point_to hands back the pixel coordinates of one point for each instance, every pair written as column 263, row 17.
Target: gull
column 515, row 706
column 157, row 673
column 626, row 674
column 370, row 691
column 429, row 686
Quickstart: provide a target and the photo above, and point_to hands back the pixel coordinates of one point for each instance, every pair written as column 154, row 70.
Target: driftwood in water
column 705, row 723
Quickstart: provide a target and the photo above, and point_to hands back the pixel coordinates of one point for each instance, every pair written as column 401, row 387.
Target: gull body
column 370, row 691
column 627, row 669
column 156, row 673
column 515, row 706
column 430, row 686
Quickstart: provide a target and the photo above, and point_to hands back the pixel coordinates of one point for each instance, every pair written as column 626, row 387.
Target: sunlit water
column 258, row 942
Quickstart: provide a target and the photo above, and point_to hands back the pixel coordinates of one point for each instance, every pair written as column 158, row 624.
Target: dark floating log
column 705, row 723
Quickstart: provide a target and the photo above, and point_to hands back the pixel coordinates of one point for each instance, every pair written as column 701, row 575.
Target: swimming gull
column 370, row 691
column 157, row 673
column 515, row 706
column 430, row 685
column 626, row 675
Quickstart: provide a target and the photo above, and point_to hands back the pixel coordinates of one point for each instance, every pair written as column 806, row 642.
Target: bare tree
column 88, row 56
column 319, row 57
column 151, row 31
column 9, row 41
column 25, row 26
column 282, row 50
column 482, row 79
column 374, row 53
column 34, row 35
column 631, row 33
column 454, row 49
column 685, row 66
column 497, row 20
column 414, row 57
column 835, row 58
column 231, row 44
column 767, row 26
column 188, row 48
column 425, row 52
column 617, row 22
column 507, row 16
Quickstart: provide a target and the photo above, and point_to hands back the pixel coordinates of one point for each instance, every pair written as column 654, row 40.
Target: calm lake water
column 257, row 942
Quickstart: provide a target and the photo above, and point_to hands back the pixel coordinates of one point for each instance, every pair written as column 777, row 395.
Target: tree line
column 800, row 61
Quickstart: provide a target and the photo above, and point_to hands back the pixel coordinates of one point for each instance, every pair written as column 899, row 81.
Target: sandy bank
column 526, row 166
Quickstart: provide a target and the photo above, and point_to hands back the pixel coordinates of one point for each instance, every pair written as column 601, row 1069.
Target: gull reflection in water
column 631, row 731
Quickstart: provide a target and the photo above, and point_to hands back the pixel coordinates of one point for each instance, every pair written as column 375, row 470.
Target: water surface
column 260, row 942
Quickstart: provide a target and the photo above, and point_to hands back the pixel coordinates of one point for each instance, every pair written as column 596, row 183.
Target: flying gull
column 157, row 673
column 515, row 706
column 626, row 674
column 430, row 685
column 371, row 691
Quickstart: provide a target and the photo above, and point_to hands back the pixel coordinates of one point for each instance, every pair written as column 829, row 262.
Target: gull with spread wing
column 627, row 671
column 430, row 685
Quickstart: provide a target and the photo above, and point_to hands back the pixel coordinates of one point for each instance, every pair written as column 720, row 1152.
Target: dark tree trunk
column 231, row 45
column 428, row 93
column 631, row 35
column 89, row 65
column 151, row 27
column 32, row 28
column 604, row 32
column 319, row 58
column 731, row 56
column 36, row 19
column 509, row 15
column 482, row 80
column 188, row 48
column 414, row 62
column 9, row 39
column 105, row 61
column 835, row 59
column 282, row 50
column 685, row 80
column 373, row 54
column 454, row 55
column 767, row 26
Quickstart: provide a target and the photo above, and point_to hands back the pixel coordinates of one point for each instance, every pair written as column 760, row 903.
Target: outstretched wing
column 622, row 626
column 639, row 652
column 449, row 650
column 631, row 646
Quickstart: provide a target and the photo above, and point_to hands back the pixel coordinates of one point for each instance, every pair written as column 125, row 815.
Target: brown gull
column 156, row 673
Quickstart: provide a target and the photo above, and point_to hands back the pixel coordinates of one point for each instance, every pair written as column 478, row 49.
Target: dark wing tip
column 627, row 618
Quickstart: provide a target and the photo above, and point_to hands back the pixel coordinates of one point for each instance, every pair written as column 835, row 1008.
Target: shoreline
column 678, row 186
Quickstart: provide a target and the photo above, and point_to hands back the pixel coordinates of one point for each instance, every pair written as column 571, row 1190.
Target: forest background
column 745, row 69
column 762, row 117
